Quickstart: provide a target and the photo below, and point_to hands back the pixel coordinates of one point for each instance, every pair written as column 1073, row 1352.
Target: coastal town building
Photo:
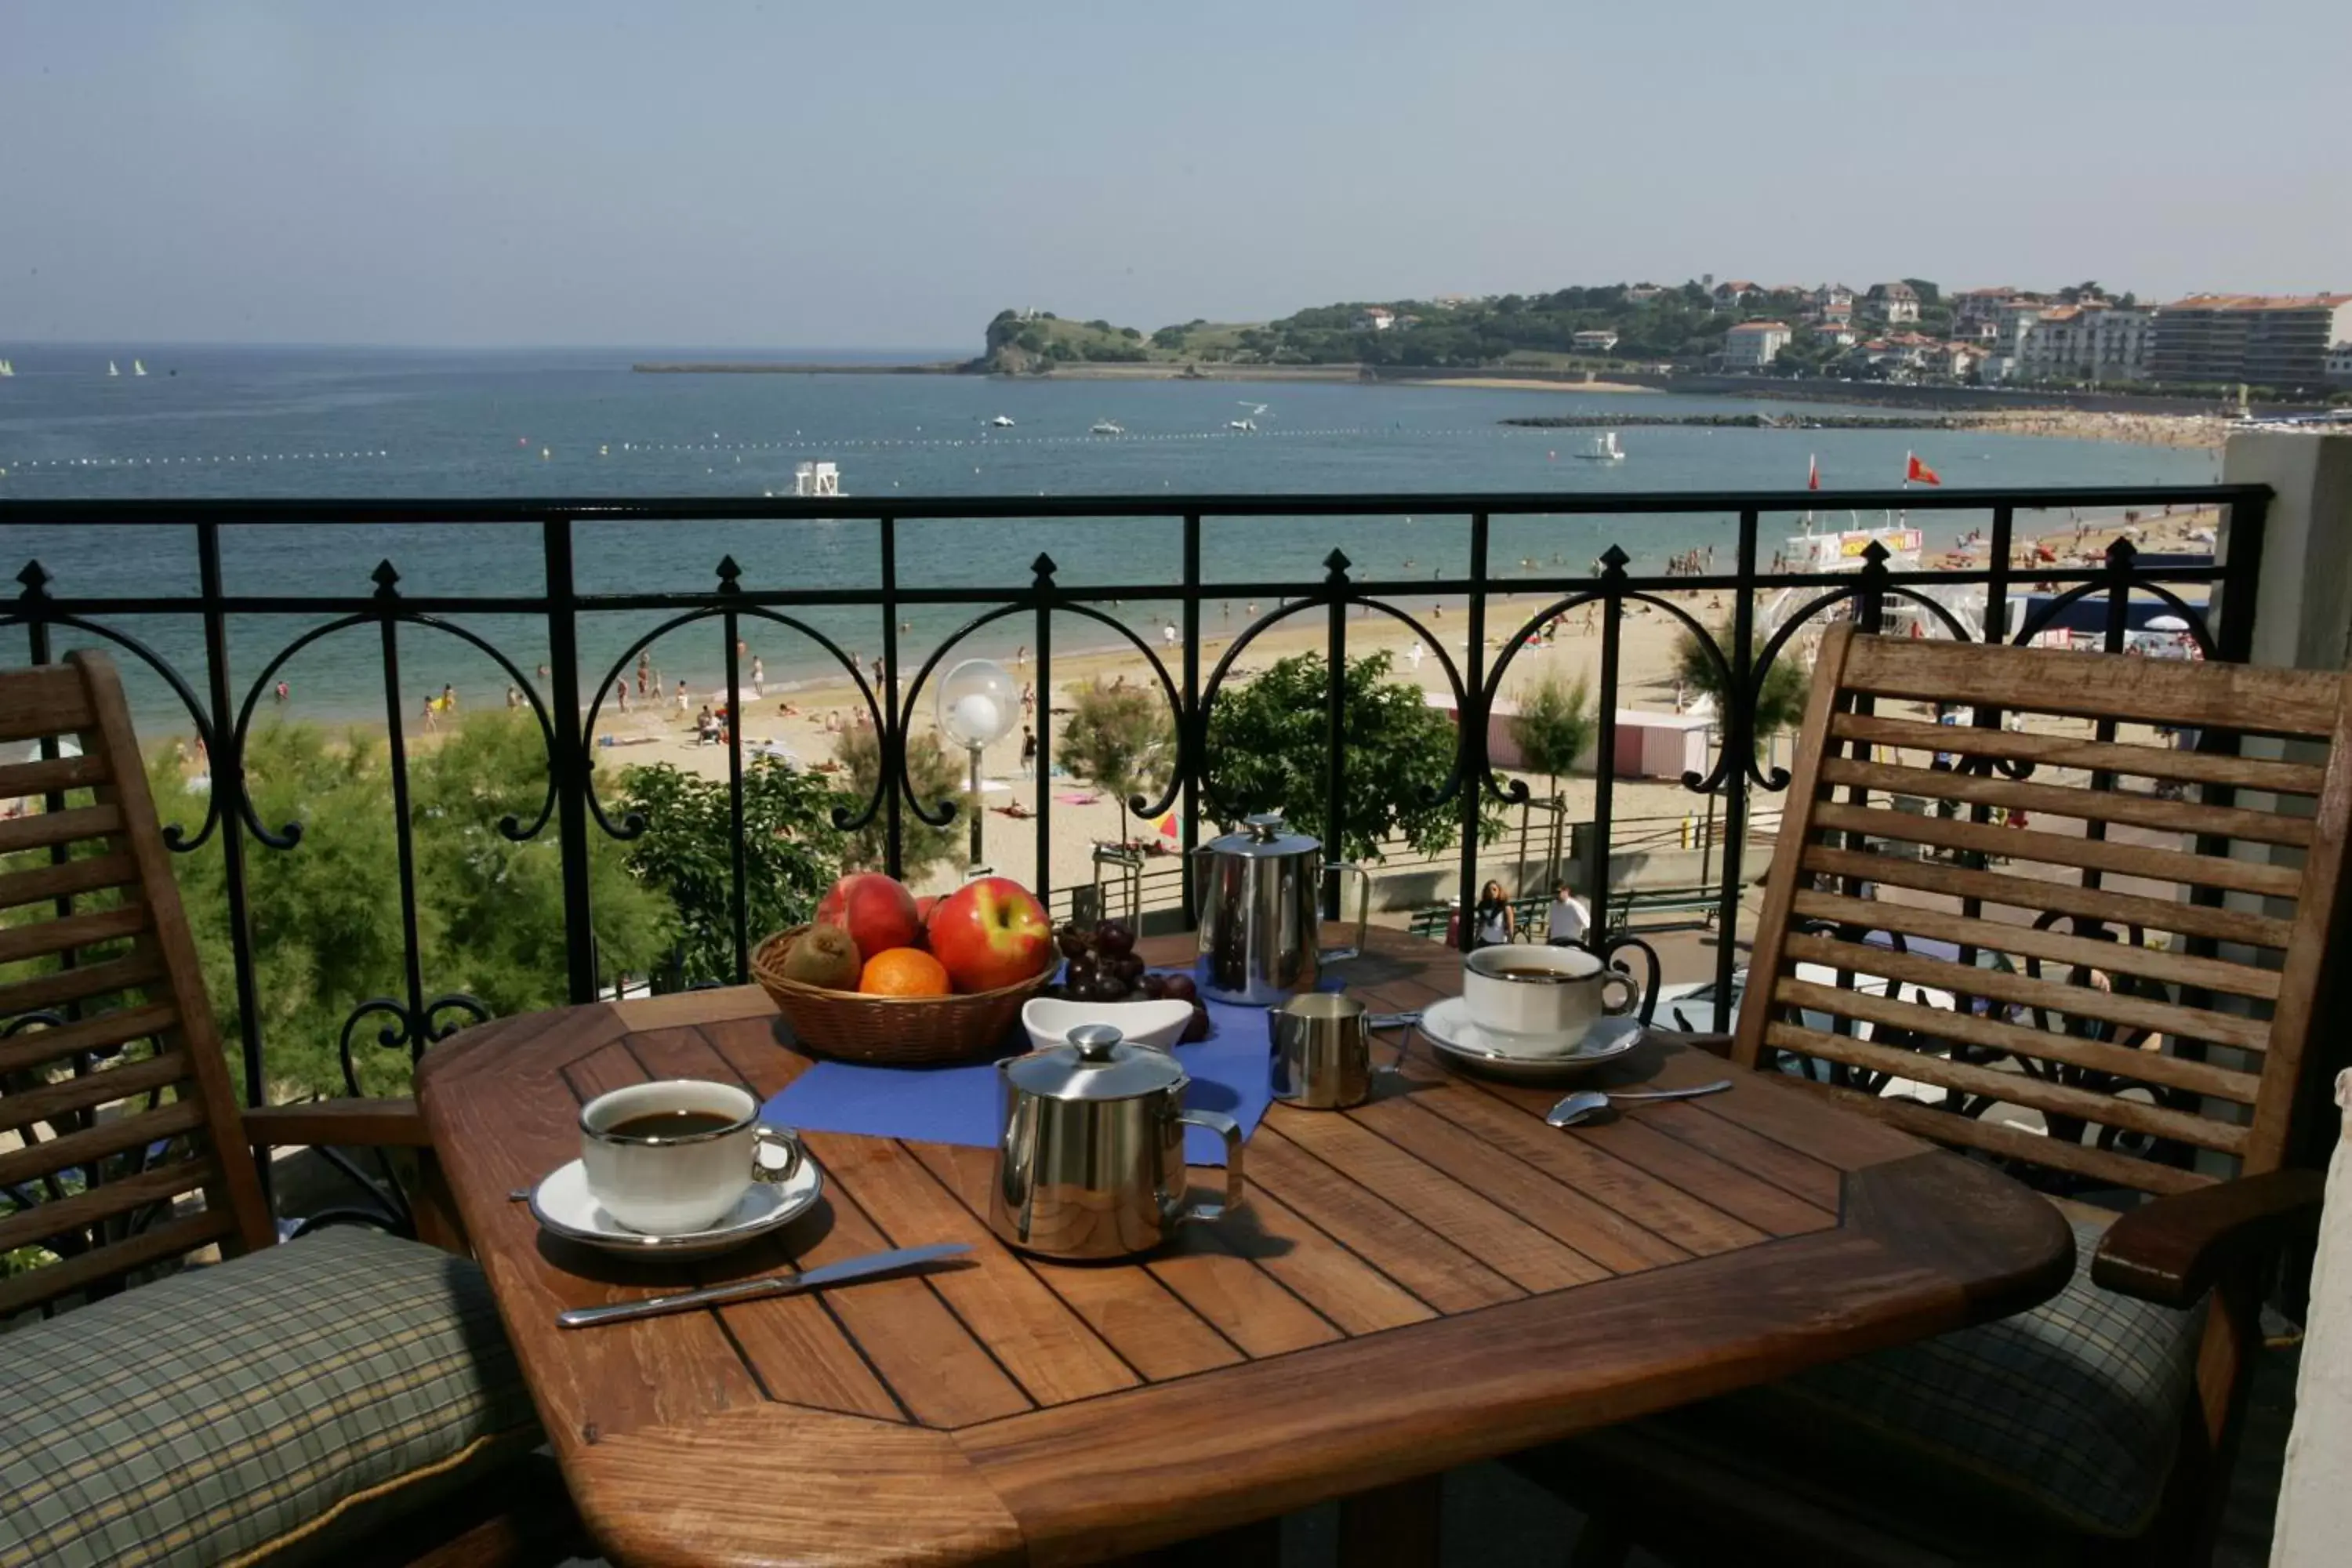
column 1974, row 310
column 1752, row 345
column 1895, row 304
column 2092, row 341
column 2337, row 367
column 2264, row 340
column 1642, row 292
column 1374, row 319
column 1841, row 333
column 1597, row 341
column 1734, row 292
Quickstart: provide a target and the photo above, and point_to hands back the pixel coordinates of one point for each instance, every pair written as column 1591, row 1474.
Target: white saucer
column 1447, row 1026
column 561, row 1205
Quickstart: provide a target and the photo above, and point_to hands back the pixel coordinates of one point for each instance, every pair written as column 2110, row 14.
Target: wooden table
column 1433, row 1278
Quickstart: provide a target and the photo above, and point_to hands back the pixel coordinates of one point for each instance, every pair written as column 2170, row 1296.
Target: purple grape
column 1071, row 940
column 1130, row 968
column 1180, row 988
column 1154, row 987
column 1115, row 938
column 1197, row 1027
column 1106, row 988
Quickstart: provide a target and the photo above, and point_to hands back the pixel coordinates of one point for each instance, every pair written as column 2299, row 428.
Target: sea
column 328, row 423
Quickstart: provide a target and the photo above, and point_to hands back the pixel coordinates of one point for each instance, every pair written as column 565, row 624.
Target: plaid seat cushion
column 254, row 1410
column 2073, row 1408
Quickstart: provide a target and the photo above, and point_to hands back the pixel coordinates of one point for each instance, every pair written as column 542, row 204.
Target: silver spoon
column 1587, row 1103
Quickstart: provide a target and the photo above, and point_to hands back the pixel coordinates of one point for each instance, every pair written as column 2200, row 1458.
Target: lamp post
column 976, row 705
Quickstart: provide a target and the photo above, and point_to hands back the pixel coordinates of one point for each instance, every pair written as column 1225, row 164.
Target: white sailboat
column 138, row 367
column 110, row 370
column 7, row 370
column 1001, row 422
column 1105, row 427
column 1603, row 448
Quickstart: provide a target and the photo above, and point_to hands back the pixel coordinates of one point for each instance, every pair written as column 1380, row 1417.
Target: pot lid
column 1261, row 838
column 1098, row 1064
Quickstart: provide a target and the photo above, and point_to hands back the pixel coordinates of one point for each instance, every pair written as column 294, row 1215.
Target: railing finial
column 1336, row 562
column 1615, row 560
column 1044, row 569
column 728, row 574
column 36, row 580
column 2121, row 553
column 385, row 579
column 1876, row 555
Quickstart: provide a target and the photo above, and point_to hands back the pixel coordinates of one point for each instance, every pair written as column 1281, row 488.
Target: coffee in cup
column 1540, row 1000
column 678, row 1155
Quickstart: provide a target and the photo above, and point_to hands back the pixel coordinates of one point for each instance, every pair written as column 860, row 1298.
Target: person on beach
column 1028, row 699
column 758, row 677
column 645, row 671
column 684, row 704
column 1415, row 654
column 1028, row 752
column 448, row 699
column 1168, row 636
column 879, row 674
column 1491, row 921
column 281, row 693
column 514, row 698
column 621, row 694
column 431, row 715
column 1021, row 656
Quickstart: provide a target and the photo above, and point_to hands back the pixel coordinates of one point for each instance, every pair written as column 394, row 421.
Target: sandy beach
column 803, row 721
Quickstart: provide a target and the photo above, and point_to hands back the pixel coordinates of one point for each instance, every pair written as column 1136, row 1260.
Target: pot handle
column 1226, row 1128
column 1364, row 912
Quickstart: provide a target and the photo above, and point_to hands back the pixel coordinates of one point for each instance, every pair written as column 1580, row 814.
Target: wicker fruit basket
column 892, row 1031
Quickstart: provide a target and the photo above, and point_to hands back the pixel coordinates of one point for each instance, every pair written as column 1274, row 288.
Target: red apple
column 990, row 933
column 877, row 911
column 923, row 908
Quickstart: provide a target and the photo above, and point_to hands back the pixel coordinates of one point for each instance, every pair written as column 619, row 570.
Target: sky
column 724, row 173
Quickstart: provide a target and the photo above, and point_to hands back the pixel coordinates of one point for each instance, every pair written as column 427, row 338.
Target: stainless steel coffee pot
column 1258, row 916
column 1090, row 1158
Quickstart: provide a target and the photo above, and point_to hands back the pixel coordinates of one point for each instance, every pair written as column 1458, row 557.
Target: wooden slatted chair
column 2079, row 933
column 294, row 1401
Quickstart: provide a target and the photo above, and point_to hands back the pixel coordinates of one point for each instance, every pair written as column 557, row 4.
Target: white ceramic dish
column 562, row 1204
column 1159, row 1024
column 1447, row 1028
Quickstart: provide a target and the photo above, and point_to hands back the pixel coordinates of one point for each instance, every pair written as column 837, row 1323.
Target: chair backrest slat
column 2080, row 928
column 117, row 1115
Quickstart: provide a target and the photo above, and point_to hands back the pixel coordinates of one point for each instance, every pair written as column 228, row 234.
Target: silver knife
column 774, row 1285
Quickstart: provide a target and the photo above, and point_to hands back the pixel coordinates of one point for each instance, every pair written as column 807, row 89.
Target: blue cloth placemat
column 1229, row 1072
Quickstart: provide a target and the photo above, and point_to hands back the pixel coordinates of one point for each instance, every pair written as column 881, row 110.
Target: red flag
column 1915, row 470
column 1812, row 473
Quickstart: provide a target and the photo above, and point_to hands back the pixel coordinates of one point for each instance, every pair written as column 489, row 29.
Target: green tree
column 324, row 916
column 938, row 775
column 1266, row 752
column 1554, row 726
column 1779, row 706
column 1120, row 739
column 791, row 854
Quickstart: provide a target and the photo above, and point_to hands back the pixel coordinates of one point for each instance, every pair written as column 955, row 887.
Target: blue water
column 324, row 423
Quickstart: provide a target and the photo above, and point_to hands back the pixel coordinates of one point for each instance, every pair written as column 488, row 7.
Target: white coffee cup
column 1540, row 1000
column 666, row 1184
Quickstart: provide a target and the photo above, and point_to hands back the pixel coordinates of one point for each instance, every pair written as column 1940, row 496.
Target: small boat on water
column 1603, row 449
column 1001, row 422
column 138, row 367
column 110, row 370
column 7, row 370
column 1105, row 427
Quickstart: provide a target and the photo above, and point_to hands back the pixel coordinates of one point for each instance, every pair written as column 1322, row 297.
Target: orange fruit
column 904, row 971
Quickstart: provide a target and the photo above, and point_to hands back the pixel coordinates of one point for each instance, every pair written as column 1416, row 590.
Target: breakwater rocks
column 1756, row 421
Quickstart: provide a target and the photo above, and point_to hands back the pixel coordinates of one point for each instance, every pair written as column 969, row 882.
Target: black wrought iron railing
column 185, row 638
